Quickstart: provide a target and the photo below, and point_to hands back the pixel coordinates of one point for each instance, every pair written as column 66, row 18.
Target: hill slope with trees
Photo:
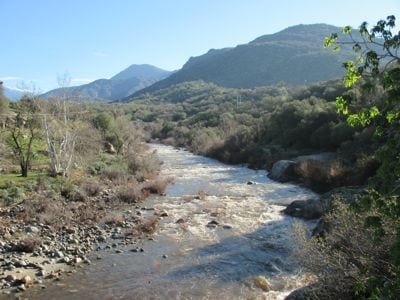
column 294, row 55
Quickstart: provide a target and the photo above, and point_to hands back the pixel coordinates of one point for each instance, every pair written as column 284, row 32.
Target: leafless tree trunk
column 59, row 135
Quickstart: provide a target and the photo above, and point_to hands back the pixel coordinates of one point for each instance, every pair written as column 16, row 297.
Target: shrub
column 348, row 258
column 143, row 166
column 115, row 172
column 130, row 194
column 144, row 226
column 114, row 219
column 46, row 209
column 91, row 188
column 157, row 186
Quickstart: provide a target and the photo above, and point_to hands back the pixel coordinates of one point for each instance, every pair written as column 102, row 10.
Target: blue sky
column 42, row 39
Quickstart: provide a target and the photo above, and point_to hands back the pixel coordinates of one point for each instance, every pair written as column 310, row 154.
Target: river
column 222, row 238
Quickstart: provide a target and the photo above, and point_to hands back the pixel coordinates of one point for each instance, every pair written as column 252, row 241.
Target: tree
column 23, row 129
column 59, row 131
column 3, row 106
column 104, row 121
column 378, row 66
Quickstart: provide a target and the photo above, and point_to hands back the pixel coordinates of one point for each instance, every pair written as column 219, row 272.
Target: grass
column 17, row 179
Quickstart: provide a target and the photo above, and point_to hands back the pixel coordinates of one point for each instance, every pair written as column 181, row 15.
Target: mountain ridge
column 294, row 55
column 121, row 85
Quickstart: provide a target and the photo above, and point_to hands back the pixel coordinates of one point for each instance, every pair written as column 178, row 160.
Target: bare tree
column 59, row 133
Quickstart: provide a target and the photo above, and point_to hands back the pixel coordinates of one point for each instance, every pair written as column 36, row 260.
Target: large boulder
column 282, row 170
column 307, row 209
column 321, row 172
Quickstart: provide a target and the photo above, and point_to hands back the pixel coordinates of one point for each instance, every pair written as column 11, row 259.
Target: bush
column 130, row 194
column 91, row 188
column 143, row 166
column 157, row 186
column 348, row 259
column 46, row 209
column 115, row 172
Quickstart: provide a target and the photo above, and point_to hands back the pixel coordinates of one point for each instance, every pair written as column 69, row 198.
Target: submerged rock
column 262, row 283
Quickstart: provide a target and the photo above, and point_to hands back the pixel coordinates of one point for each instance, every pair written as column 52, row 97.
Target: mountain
column 13, row 94
column 148, row 72
column 123, row 84
column 294, row 55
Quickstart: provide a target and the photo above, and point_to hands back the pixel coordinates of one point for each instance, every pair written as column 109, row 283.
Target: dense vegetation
column 359, row 256
column 257, row 126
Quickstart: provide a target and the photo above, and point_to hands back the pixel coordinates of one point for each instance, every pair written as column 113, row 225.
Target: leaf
column 341, row 105
column 329, row 41
column 356, row 47
column 347, row 29
column 373, row 221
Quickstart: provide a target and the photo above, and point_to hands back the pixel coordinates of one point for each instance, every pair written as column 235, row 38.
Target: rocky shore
column 34, row 253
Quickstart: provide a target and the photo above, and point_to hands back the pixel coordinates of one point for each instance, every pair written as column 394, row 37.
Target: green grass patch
column 17, row 179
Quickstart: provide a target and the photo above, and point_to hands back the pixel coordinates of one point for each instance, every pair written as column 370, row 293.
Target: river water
column 244, row 253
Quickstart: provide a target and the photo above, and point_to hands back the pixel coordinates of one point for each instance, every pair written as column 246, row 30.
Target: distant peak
column 317, row 30
column 144, row 71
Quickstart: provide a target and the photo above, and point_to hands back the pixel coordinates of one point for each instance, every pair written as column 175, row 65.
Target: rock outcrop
column 282, row 170
column 307, row 209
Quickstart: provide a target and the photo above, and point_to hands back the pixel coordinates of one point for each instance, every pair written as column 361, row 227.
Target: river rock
column 282, row 170
column 307, row 209
column 11, row 278
column 27, row 280
column 262, row 283
column 32, row 229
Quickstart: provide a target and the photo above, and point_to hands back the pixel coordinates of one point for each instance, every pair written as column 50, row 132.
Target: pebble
column 27, row 280
column 77, row 260
column 11, row 278
column 32, row 229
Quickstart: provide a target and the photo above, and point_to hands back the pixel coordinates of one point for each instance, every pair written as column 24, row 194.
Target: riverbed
column 222, row 236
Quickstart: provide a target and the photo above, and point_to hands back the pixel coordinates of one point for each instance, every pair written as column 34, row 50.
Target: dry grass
column 91, row 188
column 42, row 209
column 130, row 194
column 157, row 186
column 144, row 226
column 27, row 244
column 114, row 219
